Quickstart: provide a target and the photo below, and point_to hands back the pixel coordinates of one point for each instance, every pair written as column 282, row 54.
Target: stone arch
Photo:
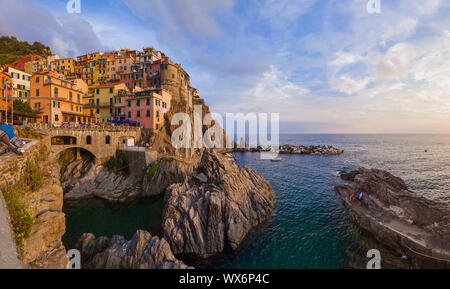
column 78, row 151
column 63, row 140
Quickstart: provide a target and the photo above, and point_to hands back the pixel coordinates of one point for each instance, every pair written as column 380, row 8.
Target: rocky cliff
column 215, row 207
column 397, row 217
column 44, row 248
column 84, row 181
column 143, row 251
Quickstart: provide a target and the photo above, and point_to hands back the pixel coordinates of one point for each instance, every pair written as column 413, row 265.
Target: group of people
column 6, row 136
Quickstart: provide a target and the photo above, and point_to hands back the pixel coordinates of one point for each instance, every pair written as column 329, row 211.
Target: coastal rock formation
column 293, row 149
column 215, row 207
column 44, row 248
column 83, row 181
column 410, row 224
column 143, row 251
column 167, row 171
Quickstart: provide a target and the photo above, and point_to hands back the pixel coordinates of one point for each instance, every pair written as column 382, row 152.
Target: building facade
column 55, row 99
column 104, row 97
column 148, row 108
column 21, row 81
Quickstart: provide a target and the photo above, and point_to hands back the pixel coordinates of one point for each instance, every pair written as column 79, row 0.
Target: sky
column 327, row 66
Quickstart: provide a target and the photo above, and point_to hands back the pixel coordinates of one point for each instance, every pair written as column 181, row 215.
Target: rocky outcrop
column 44, row 248
column 81, row 182
column 214, row 208
column 143, row 251
column 293, row 149
column 167, row 171
column 410, row 224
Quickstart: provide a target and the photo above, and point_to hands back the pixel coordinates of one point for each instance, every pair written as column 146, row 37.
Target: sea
column 310, row 227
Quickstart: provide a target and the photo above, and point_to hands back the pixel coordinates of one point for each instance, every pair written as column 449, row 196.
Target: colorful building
column 42, row 64
column 105, row 96
column 5, row 94
column 148, row 108
column 21, row 81
column 55, row 99
column 66, row 66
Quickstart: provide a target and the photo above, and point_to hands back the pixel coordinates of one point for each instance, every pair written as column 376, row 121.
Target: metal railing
column 74, row 126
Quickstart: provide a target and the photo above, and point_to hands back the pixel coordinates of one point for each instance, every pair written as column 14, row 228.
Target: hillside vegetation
column 12, row 49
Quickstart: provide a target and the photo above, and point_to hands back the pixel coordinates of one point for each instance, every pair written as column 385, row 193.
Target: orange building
column 5, row 90
column 55, row 99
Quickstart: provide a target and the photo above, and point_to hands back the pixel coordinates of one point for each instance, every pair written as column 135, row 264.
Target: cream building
column 21, row 81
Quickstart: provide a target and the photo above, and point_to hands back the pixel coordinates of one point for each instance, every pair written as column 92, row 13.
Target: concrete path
column 9, row 256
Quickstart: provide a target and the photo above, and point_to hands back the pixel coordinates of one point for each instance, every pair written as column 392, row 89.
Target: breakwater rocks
column 293, row 149
column 411, row 225
column 143, row 251
column 215, row 207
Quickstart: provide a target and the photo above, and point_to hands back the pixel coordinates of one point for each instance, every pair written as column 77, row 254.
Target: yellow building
column 104, row 97
column 92, row 68
column 66, row 66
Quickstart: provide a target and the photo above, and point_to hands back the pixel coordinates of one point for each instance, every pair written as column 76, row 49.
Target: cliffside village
column 125, row 87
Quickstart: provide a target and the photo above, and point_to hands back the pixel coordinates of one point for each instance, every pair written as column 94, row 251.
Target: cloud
column 182, row 18
column 68, row 35
column 348, row 85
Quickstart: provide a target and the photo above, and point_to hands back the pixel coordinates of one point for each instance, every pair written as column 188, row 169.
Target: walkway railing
column 46, row 126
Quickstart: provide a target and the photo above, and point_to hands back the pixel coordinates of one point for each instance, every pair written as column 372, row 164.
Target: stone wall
column 12, row 167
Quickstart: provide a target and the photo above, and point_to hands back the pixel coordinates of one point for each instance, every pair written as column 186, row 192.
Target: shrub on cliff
column 20, row 213
column 118, row 163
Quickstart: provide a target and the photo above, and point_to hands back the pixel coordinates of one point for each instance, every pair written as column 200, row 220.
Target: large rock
column 143, row 251
column 98, row 181
column 410, row 224
column 169, row 171
column 44, row 249
column 204, row 219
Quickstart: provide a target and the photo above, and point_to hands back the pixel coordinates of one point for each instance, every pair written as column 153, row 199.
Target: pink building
column 148, row 108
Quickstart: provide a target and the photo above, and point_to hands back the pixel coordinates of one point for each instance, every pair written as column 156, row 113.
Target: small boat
column 276, row 160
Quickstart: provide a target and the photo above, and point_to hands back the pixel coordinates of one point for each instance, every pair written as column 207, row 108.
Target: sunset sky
column 326, row 66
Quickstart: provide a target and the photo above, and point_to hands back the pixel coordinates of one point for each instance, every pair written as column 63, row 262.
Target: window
column 157, row 113
column 56, row 117
column 37, row 79
column 108, row 140
column 79, row 98
column 59, row 104
column 70, row 95
column 173, row 75
column 88, row 140
column 56, row 92
column 129, row 103
column 129, row 114
column 148, row 101
column 148, row 113
column 71, row 107
column 138, row 113
column 111, row 90
column 98, row 91
column 98, row 110
column 138, row 102
column 37, row 92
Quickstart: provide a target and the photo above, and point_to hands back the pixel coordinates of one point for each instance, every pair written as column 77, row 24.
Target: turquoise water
column 310, row 227
column 105, row 219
